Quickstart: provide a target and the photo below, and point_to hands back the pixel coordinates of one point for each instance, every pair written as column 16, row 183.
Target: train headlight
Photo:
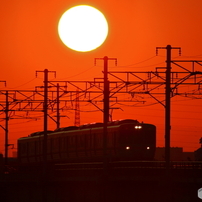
column 127, row 148
column 138, row 127
column 148, row 147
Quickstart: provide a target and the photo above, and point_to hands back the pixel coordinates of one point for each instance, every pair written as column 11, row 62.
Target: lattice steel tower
column 77, row 110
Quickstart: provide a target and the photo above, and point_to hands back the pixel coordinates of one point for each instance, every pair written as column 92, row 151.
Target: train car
column 126, row 140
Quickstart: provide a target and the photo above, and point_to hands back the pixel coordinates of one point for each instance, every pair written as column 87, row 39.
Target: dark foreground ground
column 98, row 192
column 144, row 185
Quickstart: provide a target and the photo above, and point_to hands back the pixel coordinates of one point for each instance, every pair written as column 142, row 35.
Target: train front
column 137, row 141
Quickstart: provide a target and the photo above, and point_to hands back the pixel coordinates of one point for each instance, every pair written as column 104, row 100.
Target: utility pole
column 45, row 110
column 6, row 129
column 58, row 106
column 167, row 108
column 105, row 107
column 77, row 109
column 167, row 103
column 45, row 138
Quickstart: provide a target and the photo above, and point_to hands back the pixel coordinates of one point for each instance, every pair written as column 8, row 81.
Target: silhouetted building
column 176, row 154
column 188, row 156
column 198, row 154
column 15, row 153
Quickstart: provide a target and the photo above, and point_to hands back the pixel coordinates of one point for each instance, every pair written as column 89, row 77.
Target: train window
column 66, row 142
column 55, row 144
column 37, row 147
column 40, row 146
column 98, row 140
column 88, row 140
column 72, row 141
column 49, row 145
column 69, row 141
column 93, row 140
column 31, row 147
column 82, row 141
column 110, row 139
column 101, row 140
column 78, row 141
column 23, row 147
column 114, row 138
column 63, row 144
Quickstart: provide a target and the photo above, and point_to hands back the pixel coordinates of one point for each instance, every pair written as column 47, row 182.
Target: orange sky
column 30, row 42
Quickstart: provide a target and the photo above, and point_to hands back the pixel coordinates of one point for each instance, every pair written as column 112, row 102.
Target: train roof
column 39, row 133
column 91, row 125
column 66, row 128
column 122, row 121
column 96, row 125
column 86, row 126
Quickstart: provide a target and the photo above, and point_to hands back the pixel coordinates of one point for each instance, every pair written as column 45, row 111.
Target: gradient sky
column 29, row 42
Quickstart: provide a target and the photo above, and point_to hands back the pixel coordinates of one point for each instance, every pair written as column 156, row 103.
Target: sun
column 83, row 28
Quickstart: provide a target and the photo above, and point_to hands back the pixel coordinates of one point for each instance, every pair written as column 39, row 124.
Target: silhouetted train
column 126, row 140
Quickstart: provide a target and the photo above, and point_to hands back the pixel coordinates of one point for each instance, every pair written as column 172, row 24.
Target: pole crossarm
column 193, row 62
column 151, row 83
column 133, row 83
column 22, row 100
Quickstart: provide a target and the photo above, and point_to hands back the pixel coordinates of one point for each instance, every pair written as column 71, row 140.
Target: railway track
column 188, row 165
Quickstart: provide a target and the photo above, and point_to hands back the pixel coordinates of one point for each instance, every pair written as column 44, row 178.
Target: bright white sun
column 83, row 28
